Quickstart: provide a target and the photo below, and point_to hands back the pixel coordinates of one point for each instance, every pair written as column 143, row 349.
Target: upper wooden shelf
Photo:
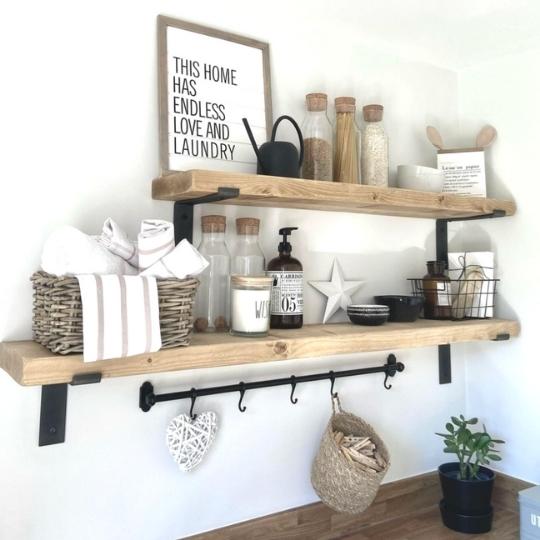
column 257, row 190
column 31, row 364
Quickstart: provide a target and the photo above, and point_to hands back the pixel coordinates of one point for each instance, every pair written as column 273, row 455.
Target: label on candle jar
column 250, row 311
column 287, row 293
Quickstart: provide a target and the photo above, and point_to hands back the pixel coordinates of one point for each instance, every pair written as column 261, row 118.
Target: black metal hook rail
column 147, row 397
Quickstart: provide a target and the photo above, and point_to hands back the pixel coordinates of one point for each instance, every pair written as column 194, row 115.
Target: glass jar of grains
column 250, row 305
column 374, row 148
column 317, row 132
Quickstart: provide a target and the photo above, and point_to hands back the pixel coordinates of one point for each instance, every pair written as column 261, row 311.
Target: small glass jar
column 248, row 258
column 347, row 143
column 250, row 305
column 317, row 133
column 374, row 148
column 437, row 294
column 212, row 300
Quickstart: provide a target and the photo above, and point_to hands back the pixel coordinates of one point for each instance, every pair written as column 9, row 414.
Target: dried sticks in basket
column 361, row 452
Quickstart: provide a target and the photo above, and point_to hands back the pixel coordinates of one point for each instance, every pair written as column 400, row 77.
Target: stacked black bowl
column 368, row 314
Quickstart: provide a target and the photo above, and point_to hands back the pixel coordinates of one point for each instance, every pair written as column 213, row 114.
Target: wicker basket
column 57, row 318
column 342, row 485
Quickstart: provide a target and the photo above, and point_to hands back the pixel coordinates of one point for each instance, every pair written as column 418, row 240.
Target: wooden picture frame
column 185, row 82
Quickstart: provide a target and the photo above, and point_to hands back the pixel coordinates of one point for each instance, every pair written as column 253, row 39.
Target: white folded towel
column 68, row 252
column 155, row 240
column 120, row 316
column 184, row 260
column 116, row 240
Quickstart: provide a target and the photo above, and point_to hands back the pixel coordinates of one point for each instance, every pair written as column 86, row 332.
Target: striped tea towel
column 116, row 241
column 155, row 240
column 120, row 316
column 183, row 261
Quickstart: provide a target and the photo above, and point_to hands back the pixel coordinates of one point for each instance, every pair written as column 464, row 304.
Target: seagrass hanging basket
column 344, row 486
column 57, row 321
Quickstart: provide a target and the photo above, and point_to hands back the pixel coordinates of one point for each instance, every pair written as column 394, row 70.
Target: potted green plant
column 467, row 484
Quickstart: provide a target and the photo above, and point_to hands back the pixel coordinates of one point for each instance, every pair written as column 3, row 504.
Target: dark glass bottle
column 438, row 298
column 287, row 297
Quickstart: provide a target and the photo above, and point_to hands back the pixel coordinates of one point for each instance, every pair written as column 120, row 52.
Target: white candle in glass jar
column 250, row 305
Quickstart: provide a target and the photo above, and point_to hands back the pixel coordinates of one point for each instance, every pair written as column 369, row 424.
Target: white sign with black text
column 464, row 171
column 211, row 84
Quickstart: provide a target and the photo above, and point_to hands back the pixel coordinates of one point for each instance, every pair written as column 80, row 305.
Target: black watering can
column 278, row 158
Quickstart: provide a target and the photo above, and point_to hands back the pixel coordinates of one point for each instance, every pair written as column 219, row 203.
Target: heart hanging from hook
column 193, row 398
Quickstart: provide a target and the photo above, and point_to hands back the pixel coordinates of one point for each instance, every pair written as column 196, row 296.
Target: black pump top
column 284, row 245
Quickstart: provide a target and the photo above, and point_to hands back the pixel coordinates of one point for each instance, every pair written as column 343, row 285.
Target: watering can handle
column 300, row 137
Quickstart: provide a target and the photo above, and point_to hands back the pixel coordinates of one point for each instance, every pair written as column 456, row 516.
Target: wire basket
column 456, row 299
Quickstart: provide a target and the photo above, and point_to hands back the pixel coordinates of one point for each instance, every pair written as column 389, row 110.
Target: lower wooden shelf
column 31, row 364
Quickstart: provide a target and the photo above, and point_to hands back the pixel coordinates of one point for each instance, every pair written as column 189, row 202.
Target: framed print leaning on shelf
column 208, row 81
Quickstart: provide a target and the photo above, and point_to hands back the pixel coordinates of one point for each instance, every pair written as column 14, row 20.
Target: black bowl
column 402, row 308
column 368, row 308
column 368, row 319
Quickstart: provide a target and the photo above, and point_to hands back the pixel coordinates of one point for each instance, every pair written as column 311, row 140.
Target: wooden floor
column 421, row 525
column 427, row 525
column 403, row 510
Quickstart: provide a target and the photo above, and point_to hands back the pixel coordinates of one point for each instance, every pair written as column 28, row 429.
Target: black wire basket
column 456, row 299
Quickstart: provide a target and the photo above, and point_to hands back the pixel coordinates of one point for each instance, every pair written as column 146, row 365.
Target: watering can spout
column 252, row 140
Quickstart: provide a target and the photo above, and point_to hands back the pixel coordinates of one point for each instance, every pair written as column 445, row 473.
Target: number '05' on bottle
column 287, row 296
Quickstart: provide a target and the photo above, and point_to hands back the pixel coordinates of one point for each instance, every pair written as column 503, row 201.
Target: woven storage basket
column 342, row 485
column 57, row 317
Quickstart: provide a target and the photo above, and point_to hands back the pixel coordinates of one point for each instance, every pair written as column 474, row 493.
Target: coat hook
column 193, row 398
column 294, row 400
column 242, row 392
column 392, row 367
column 333, row 380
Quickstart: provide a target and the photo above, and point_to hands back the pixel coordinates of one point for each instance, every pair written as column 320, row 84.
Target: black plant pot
column 466, row 505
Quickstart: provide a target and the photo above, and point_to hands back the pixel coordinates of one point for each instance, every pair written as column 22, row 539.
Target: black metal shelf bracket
column 52, row 423
column 183, row 211
column 52, row 418
column 441, row 239
column 147, row 397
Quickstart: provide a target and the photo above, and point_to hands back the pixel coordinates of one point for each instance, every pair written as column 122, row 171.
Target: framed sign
column 208, row 81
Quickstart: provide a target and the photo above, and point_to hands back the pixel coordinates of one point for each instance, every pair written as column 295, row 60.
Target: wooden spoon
column 434, row 137
column 486, row 136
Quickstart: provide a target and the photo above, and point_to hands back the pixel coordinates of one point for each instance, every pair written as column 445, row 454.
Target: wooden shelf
column 31, row 364
column 256, row 190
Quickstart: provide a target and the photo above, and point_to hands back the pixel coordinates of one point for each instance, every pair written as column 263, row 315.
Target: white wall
column 79, row 143
column 502, row 386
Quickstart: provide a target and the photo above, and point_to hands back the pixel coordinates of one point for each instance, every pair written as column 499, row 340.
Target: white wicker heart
column 189, row 440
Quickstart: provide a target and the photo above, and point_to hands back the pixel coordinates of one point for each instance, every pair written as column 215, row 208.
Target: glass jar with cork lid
column 317, row 133
column 248, row 258
column 347, row 143
column 212, row 300
column 374, row 148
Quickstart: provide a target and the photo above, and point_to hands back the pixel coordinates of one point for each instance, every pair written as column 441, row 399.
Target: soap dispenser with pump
column 287, row 298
